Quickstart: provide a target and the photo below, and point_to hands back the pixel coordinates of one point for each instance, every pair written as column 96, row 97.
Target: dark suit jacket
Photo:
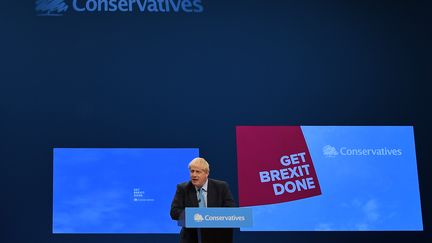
column 218, row 195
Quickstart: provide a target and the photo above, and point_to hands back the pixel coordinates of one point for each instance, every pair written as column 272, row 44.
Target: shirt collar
column 204, row 186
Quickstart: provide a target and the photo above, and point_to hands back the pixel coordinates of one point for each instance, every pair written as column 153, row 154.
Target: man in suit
column 215, row 194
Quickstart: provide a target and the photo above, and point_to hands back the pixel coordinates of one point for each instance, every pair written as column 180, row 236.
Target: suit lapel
column 193, row 196
column 210, row 194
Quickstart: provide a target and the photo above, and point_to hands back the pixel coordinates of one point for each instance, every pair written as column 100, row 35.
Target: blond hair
column 202, row 162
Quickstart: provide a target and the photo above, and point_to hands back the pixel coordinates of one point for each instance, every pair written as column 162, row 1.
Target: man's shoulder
column 186, row 184
column 218, row 182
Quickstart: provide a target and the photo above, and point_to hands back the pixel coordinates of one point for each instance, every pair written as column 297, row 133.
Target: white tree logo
column 330, row 151
column 198, row 217
column 51, row 7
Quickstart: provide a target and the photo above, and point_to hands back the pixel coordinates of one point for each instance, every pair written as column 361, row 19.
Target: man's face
column 198, row 175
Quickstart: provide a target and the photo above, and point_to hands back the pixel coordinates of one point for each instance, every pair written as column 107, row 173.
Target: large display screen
column 117, row 190
column 329, row 178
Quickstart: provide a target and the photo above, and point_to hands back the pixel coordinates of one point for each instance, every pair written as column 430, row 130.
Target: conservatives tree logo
column 58, row 7
column 329, row 151
column 198, row 217
column 51, row 7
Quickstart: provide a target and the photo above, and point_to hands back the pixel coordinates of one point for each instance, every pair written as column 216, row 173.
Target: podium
column 216, row 224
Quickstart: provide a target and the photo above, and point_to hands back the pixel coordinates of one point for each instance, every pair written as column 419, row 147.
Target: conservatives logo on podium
column 274, row 165
column 198, row 217
column 61, row 7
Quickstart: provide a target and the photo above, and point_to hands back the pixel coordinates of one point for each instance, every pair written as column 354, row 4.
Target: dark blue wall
column 186, row 80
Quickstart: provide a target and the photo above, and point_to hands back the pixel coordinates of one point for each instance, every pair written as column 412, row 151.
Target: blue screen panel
column 117, row 190
column 368, row 178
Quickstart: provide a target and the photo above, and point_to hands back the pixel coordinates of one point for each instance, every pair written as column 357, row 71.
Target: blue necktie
column 201, row 199
column 201, row 204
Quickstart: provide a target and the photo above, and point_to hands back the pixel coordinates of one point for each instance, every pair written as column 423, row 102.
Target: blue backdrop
column 365, row 185
column 186, row 80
